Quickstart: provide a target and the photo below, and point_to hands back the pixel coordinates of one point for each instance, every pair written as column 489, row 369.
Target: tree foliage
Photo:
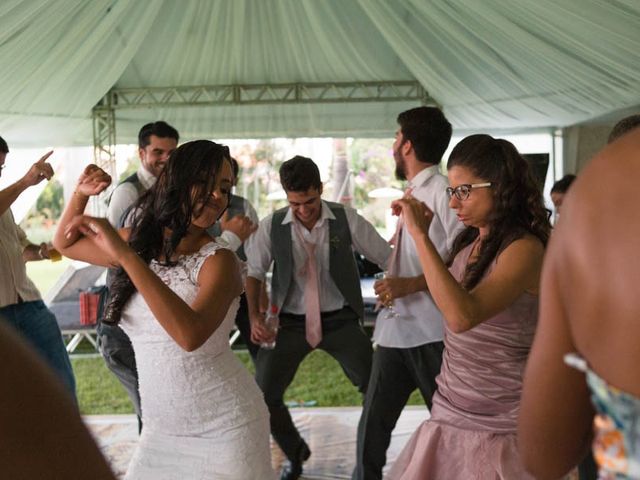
column 50, row 202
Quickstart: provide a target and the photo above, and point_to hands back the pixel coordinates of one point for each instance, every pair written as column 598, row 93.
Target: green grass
column 319, row 378
column 99, row 391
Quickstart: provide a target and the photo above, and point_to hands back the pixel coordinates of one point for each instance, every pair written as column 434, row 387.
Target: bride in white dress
column 176, row 295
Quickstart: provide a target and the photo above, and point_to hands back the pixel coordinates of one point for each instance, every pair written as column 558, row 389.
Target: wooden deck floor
column 330, row 432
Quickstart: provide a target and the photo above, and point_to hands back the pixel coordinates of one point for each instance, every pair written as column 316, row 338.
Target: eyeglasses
column 462, row 191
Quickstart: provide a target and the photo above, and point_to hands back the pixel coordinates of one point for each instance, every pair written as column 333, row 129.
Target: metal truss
column 269, row 94
column 104, row 146
column 104, row 124
column 104, row 134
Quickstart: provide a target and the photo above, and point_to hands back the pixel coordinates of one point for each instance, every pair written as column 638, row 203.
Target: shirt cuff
column 230, row 239
column 260, row 276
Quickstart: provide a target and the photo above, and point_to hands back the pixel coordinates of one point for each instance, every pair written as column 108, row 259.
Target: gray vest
column 342, row 264
column 135, row 180
column 236, row 207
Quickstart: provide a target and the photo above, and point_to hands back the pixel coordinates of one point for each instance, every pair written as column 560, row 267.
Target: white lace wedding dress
column 203, row 415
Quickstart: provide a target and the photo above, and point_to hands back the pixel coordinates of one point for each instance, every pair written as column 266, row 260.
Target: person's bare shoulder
column 610, row 181
column 600, row 221
column 595, row 251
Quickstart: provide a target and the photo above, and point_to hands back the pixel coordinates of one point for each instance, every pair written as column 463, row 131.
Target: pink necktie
column 313, row 323
column 392, row 266
column 395, row 253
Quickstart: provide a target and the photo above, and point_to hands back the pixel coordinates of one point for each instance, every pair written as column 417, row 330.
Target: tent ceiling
column 492, row 65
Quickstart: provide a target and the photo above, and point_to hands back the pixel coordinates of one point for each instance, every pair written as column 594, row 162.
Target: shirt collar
column 325, row 214
column 424, row 175
column 146, row 178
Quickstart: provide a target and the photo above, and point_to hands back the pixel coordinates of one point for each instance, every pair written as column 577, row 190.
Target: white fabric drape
column 58, row 58
column 491, row 64
column 518, row 63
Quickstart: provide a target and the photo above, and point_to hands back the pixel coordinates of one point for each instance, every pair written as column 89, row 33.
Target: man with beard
column 156, row 142
column 409, row 330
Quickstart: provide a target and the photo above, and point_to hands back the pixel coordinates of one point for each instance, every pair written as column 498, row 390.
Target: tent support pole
column 104, row 135
column 104, row 146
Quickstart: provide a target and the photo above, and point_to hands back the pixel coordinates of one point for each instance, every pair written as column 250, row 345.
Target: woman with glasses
column 176, row 294
column 488, row 295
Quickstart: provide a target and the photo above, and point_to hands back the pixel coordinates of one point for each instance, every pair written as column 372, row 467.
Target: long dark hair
column 518, row 207
column 168, row 205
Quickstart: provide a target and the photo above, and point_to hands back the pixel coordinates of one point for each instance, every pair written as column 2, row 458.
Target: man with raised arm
column 20, row 302
column 409, row 333
column 156, row 142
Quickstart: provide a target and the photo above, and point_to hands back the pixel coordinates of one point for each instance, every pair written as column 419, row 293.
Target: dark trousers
column 342, row 337
column 39, row 327
column 244, row 327
column 395, row 374
column 118, row 354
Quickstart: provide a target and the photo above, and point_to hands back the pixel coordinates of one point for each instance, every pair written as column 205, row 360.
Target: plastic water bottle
column 272, row 322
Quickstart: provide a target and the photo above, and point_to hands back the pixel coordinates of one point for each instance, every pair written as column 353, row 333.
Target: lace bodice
column 182, row 278
column 188, row 393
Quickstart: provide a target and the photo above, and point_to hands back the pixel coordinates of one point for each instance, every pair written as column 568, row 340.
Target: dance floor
column 330, row 432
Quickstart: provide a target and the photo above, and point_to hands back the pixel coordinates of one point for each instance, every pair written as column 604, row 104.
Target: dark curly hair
column 429, row 132
column 518, row 204
column 159, row 129
column 169, row 205
column 299, row 174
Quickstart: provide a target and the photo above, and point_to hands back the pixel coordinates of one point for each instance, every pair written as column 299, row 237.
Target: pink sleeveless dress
column 472, row 430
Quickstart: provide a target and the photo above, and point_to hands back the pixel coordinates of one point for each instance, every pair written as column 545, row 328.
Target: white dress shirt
column 126, row 194
column 418, row 320
column 364, row 236
column 13, row 272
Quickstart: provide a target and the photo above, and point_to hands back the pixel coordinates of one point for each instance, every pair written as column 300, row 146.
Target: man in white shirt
column 156, row 142
column 311, row 245
column 20, row 303
column 409, row 332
